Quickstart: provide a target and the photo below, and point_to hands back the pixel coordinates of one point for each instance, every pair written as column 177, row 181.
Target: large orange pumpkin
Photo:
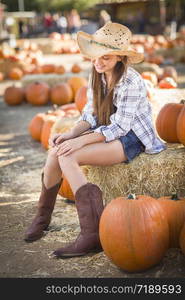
column 166, row 122
column 174, row 208
column 182, row 239
column 46, row 130
column 81, row 98
column 37, row 93
column 35, row 126
column 66, row 191
column 76, row 83
column 180, row 126
column 14, row 95
column 61, row 94
column 134, row 233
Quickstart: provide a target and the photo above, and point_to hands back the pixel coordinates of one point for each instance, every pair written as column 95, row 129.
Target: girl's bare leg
column 52, row 170
column 99, row 154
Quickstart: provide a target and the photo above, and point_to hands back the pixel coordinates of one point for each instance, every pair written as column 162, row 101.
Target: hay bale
column 7, row 65
column 146, row 66
column 51, row 79
column 155, row 175
column 176, row 52
column 64, row 124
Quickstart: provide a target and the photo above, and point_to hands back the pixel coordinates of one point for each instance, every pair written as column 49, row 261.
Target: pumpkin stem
column 131, row 196
column 182, row 101
column 174, row 196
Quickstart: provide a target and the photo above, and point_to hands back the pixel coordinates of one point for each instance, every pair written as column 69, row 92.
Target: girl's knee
column 52, row 153
column 67, row 161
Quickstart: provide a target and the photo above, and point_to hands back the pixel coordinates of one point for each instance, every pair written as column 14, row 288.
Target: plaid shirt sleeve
column 127, row 101
column 87, row 113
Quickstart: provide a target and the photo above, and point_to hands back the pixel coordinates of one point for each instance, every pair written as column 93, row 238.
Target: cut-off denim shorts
column 132, row 145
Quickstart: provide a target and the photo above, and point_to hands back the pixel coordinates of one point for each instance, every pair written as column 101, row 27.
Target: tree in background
column 50, row 5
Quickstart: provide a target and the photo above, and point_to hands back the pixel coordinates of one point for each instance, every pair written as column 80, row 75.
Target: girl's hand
column 69, row 146
column 58, row 138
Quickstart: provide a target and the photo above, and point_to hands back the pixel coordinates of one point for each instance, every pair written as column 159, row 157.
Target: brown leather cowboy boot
column 89, row 204
column 45, row 208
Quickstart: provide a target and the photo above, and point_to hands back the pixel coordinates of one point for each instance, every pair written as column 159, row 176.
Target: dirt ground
column 21, row 162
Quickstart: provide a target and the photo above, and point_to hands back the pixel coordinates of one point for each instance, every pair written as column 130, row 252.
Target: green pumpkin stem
column 174, row 196
column 131, row 196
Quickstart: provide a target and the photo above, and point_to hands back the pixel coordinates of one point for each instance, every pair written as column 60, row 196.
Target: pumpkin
column 37, row 93
column 35, row 126
column 167, row 83
column 61, row 94
column 149, row 75
column 46, row 130
column 66, row 191
column 1, row 76
column 76, row 68
column 81, row 98
column 60, row 69
column 48, row 68
column 169, row 71
column 14, row 95
column 180, row 126
column 182, row 239
column 174, row 208
column 134, row 233
column 15, row 74
column 76, row 83
column 166, row 122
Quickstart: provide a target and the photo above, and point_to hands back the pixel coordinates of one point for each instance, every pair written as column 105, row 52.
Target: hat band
column 104, row 45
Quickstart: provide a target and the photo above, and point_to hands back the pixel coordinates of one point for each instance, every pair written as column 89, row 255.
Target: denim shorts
column 132, row 146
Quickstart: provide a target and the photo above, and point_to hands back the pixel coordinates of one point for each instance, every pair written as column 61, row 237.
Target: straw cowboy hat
column 112, row 38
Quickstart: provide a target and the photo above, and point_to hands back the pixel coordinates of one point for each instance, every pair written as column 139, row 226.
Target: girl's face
column 106, row 63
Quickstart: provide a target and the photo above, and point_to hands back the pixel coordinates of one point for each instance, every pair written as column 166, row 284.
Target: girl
column 115, row 126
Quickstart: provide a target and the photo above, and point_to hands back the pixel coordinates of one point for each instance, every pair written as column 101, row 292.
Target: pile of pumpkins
column 150, row 45
column 16, row 62
column 40, row 93
column 166, row 79
column 65, row 43
column 136, row 231
column 41, row 124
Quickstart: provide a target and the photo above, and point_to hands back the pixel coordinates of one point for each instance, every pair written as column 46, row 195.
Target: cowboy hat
column 112, row 39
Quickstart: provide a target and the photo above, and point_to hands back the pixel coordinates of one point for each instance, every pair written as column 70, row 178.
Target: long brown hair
column 103, row 104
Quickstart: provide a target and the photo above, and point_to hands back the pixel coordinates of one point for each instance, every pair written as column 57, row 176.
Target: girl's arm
column 69, row 146
column 81, row 127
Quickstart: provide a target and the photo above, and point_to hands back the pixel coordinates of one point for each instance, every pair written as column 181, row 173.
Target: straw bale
column 155, row 175
column 64, row 124
column 146, row 66
column 7, row 65
column 176, row 52
column 51, row 79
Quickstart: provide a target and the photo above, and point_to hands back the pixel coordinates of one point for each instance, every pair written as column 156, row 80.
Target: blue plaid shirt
column 133, row 112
